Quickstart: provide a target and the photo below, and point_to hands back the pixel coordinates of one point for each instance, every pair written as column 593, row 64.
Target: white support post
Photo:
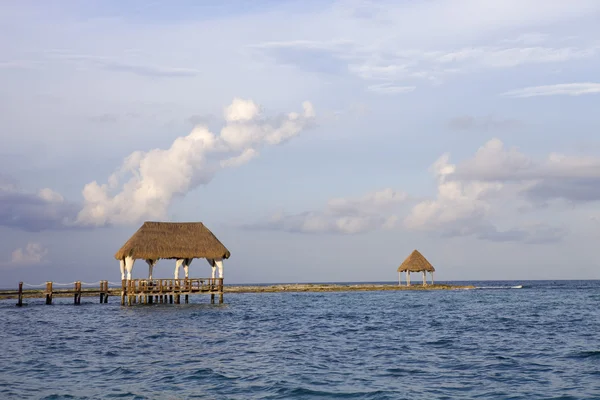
column 219, row 264
column 129, row 261
column 399, row 278
column 177, row 265
column 213, row 266
column 407, row 278
column 151, row 264
column 122, row 266
column 432, row 277
column 186, row 267
column 424, row 278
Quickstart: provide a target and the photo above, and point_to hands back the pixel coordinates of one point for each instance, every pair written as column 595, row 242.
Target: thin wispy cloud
column 388, row 88
column 391, row 64
column 562, row 89
column 120, row 65
column 471, row 123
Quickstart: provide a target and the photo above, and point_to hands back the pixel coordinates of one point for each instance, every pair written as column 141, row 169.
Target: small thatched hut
column 181, row 241
column 415, row 262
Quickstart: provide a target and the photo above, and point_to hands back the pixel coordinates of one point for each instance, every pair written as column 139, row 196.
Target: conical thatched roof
column 416, row 263
column 173, row 240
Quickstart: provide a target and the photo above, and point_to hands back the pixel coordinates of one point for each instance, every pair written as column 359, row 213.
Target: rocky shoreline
column 317, row 287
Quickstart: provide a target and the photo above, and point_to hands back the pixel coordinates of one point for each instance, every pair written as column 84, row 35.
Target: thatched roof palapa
column 173, row 240
column 416, row 263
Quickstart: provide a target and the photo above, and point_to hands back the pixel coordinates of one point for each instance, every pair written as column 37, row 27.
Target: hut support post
column 151, row 264
column 177, row 265
column 432, row 277
column 219, row 264
column 20, row 295
column 122, row 267
column 407, row 278
column 399, row 278
column 123, row 291
column 186, row 267
column 129, row 261
column 424, row 278
column 48, row 292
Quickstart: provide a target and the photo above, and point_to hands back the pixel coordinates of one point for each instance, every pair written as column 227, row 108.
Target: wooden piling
column 123, row 291
column 77, row 294
column 20, row 295
column 103, row 292
column 48, row 292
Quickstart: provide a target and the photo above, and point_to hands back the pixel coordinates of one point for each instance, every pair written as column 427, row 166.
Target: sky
column 319, row 141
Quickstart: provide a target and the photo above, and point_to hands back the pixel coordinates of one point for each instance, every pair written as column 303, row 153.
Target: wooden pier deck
column 133, row 291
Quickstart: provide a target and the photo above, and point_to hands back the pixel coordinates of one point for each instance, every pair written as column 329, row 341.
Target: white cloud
column 34, row 212
column 50, row 196
column 475, row 193
column 147, row 182
column 342, row 215
column 32, row 254
column 494, row 162
column 459, row 209
column 558, row 177
column 484, row 196
column 569, row 89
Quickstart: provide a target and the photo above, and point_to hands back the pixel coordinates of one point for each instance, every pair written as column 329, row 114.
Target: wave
column 500, row 287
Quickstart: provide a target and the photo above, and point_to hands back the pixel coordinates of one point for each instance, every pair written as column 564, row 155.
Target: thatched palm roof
column 416, row 263
column 173, row 240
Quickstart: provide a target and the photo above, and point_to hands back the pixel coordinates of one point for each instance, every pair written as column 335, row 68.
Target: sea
column 503, row 340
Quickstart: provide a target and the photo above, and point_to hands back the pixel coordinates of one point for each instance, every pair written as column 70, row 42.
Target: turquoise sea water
column 538, row 342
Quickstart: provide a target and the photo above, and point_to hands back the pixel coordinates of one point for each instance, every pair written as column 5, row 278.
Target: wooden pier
column 133, row 291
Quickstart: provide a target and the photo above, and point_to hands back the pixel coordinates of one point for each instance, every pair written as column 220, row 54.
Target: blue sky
column 320, row 141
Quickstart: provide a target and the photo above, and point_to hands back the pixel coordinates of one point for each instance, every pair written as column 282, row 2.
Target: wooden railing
column 148, row 291
column 165, row 286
